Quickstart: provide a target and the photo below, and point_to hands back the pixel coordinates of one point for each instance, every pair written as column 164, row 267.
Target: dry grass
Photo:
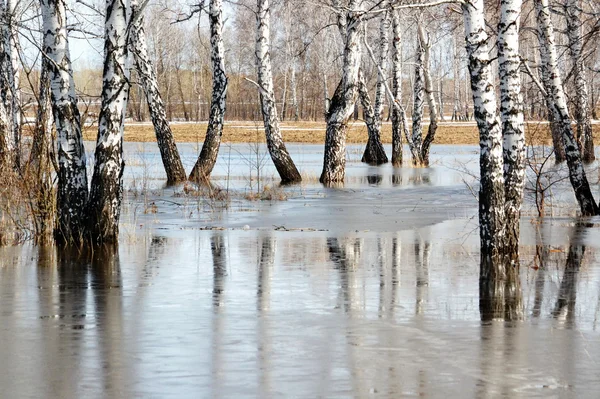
column 314, row 132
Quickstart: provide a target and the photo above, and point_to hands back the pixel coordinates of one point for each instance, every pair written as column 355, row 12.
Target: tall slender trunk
column 374, row 153
column 41, row 160
column 293, row 86
column 8, row 145
column 104, row 205
column 284, row 97
column 491, row 191
column 147, row 74
column 72, row 173
column 397, row 114
column 429, row 95
column 549, row 60
column 456, row 73
column 325, row 94
column 14, row 78
column 210, row 149
column 279, row 154
column 342, row 103
column 511, row 116
column 573, row 9
column 416, row 140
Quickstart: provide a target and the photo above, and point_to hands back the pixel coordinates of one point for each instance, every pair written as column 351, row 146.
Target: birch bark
column 374, row 152
column 210, row 149
column 342, row 103
column 279, row 154
column 104, row 205
column 429, row 95
column 491, row 191
column 397, row 114
column 147, row 74
column 549, row 60
column 573, row 10
column 511, row 115
column 72, row 173
column 8, row 145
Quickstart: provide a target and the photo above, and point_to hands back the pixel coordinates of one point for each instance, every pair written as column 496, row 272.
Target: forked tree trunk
column 491, row 191
column 210, row 149
column 72, row 173
column 374, row 153
column 511, row 115
column 342, row 103
column 104, row 206
column 429, row 96
column 397, row 113
column 549, row 60
column 279, row 154
column 584, row 124
column 147, row 74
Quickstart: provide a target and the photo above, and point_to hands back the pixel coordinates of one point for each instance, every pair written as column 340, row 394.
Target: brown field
column 314, row 132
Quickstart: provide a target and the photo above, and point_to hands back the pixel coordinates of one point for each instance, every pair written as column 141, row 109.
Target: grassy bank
column 314, row 132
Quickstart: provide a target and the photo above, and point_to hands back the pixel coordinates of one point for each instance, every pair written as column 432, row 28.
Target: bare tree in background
column 210, row 149
column 279, row 154
column 147, row 74
column 573, row 9
column 555, row 91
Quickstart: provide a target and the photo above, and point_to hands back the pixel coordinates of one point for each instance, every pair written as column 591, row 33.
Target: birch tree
column 281, row 158
column 210, row 149
column 491, row 191
column 342, row 103
column 549, row 60
column 398, row 116
column 374, row 153
column 7, row 88
column 147, row 74
column 573, row 9
column 106, row 193
column 72, row 176
column 511, row 115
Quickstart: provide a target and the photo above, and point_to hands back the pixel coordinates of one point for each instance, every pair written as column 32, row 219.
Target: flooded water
column 371, row 290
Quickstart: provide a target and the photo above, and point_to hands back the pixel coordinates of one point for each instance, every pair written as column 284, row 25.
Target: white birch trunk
column 104, row 205
column 293, row 85
column 72, row 174
column 511, row 115
column 573, row 9
column 429, row 96
column 342, row 103
column 279, row 154
column 147, row 74
column 14, row 77
column 374, row 152
column 210, row 149
column 491, row 191
column 416, row 141
column 560, row 110
column 7, row 89
column 398, row 116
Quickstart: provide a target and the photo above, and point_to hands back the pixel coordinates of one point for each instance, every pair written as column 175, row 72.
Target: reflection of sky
column 337, row 319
